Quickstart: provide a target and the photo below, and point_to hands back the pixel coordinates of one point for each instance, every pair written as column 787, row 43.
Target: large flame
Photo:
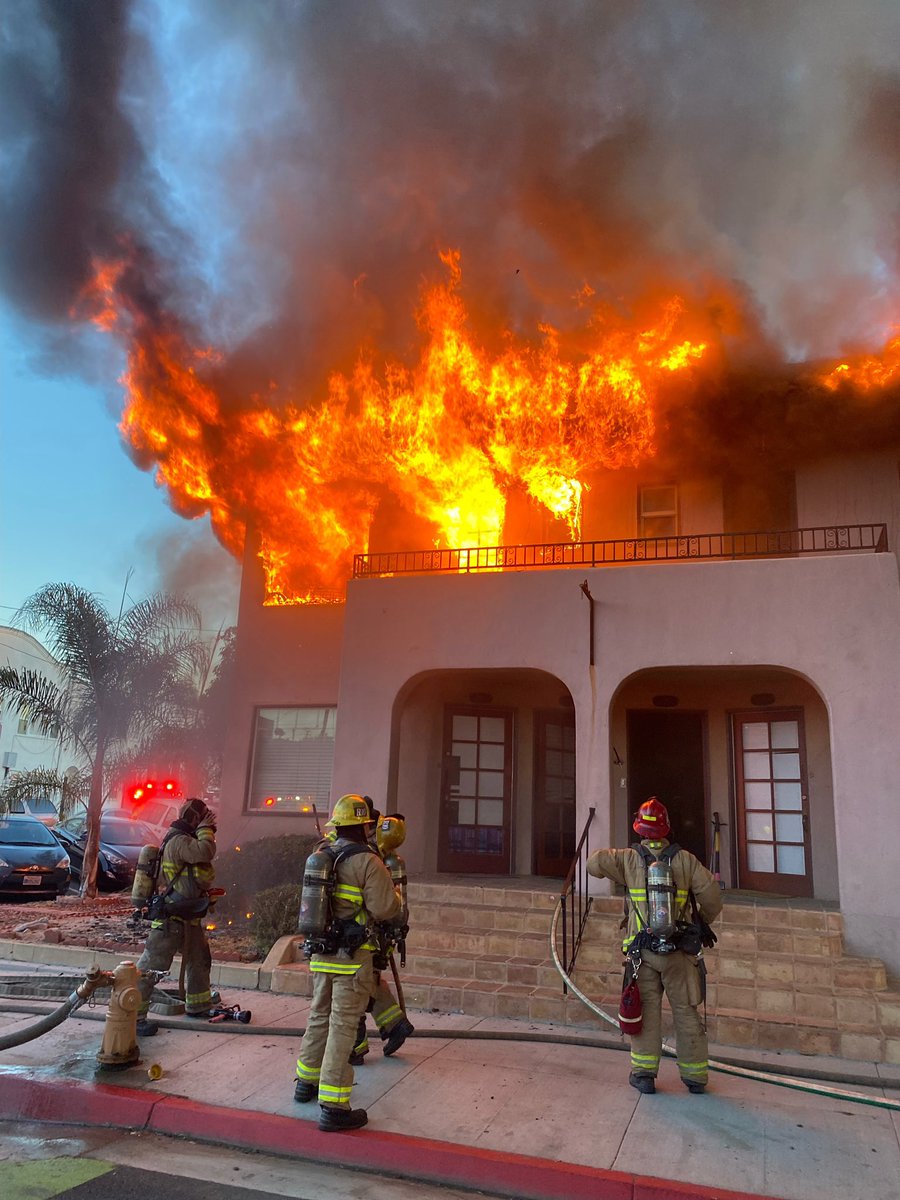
column 448, row 437
column 867, row 372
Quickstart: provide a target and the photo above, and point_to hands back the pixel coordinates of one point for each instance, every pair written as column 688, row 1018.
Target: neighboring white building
column 731, row 649
column 23, row 747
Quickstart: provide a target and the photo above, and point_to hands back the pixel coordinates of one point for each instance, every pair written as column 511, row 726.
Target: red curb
column 26, row 1096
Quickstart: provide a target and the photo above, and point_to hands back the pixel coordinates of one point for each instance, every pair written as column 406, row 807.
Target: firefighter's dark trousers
column 678, row 975
column 338, row 1001
column 188, row 938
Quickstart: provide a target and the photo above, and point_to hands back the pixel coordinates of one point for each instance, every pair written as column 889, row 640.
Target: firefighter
column 343, row 980
column 391, row 1021
column 656, row 953
column 186, row 874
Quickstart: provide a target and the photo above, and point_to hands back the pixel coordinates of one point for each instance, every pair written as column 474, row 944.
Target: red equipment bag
column 631, row 1013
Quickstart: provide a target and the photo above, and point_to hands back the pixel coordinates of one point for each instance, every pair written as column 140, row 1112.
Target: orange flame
column 448, row 437
column 867, row 372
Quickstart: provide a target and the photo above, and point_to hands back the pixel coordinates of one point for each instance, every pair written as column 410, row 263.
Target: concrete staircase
column 778, row 978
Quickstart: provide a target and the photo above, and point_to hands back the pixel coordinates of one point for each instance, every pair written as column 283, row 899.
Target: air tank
column 144, row 884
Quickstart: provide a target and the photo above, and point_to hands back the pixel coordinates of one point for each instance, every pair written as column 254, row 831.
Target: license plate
column 32, row 880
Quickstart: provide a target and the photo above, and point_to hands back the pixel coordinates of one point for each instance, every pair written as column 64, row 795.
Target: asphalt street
column 38, row 1162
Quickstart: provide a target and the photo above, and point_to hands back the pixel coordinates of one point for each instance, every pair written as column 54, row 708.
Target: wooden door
column 476, row 791
column 666, row 758
column 772, row 802
column 554, row 792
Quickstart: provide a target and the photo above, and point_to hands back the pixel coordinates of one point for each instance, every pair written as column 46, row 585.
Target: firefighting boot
column 304, row 1092
column 361, row 1046
column 645, row 1084
column 146, row 1028
column 397, row 1035
column 336, row 1120
column 693, row 1086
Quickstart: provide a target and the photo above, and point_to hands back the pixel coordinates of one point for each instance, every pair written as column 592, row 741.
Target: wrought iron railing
column 823, row 539
column 575, row 903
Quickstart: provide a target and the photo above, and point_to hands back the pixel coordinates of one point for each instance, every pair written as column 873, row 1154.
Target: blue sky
column 73, row 506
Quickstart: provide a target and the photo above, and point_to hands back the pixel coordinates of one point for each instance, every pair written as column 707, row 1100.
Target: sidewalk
column 522, row 1119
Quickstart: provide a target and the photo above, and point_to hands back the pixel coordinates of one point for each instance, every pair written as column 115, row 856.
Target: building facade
column 731, row 649
column 23, row 745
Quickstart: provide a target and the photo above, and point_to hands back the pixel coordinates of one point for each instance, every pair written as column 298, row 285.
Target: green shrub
column 270, row 863
column 274, row 915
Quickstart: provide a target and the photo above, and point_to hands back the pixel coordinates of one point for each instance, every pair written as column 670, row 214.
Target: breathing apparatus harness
column 326, row 933
column 661, row 932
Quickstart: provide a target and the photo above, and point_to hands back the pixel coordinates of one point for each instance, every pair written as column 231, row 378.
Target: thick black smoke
column 289, row 170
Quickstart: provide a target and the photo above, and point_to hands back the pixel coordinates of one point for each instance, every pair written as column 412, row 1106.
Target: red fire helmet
column 652, row 820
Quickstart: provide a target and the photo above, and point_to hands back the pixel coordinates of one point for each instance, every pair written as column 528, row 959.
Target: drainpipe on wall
column 587, row 592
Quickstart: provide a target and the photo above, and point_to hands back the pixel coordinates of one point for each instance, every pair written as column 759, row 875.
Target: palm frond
column 72, row 788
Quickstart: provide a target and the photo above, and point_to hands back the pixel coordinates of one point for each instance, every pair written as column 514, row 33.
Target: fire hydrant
column 119, row 1048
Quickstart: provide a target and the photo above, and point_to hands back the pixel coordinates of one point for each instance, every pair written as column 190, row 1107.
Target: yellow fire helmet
column 350, row 810
column 391, row 833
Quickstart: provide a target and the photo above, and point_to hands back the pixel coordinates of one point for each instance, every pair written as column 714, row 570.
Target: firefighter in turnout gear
column 671, row 899
column 185, row 876
column 394, row 1027
column 343, row 978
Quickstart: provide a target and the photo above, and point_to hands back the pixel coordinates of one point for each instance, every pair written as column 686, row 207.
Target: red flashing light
column 269, row 801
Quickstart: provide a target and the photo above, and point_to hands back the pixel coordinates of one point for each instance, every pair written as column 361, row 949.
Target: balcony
column 695, row 547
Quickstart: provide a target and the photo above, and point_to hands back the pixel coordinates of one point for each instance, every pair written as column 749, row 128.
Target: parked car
column 121, row 840
column 41, row 808
column 32, row 861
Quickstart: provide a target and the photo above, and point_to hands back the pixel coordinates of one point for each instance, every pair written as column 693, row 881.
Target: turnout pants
column 338, row 1001
column 383, row 1007
column 678, row 975
column 172, row 937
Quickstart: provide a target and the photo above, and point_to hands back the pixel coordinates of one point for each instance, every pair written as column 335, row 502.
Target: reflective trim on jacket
column 364, row 892
column 626, row 867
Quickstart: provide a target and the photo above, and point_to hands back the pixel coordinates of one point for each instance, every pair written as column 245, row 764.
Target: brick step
column 473, row 940
column 489, row 968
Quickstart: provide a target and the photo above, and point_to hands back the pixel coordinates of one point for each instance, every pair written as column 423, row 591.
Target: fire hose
column 80, row 996
column 799, row 1081
column 717, row 1064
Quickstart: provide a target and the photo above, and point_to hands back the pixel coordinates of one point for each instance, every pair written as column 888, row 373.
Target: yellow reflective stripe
column 644, row 1060
column 346, row 891
column 638, row 893
column 196, row 999
column 697, row 1066
column 362, row 1047
column 308, row 1074
column 334, row 968
column 333, row 1095
column 389, row 1016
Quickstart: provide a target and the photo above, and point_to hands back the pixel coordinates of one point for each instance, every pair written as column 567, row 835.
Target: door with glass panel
column 476, row 791
column 772, row 802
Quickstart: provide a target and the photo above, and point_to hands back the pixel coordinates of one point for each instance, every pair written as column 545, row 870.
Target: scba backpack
column 324, row 932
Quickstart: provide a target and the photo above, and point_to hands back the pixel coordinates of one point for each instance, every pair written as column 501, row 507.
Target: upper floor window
column 658, row 511
column 293, row 756
column 23, row 724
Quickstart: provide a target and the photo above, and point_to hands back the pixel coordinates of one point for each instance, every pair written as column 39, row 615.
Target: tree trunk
column 92, row 828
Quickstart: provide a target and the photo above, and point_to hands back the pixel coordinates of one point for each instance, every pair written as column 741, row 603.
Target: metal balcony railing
column 785, row 543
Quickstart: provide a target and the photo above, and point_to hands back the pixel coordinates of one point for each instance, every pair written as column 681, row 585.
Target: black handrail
column 694, row 547
column 575, row 903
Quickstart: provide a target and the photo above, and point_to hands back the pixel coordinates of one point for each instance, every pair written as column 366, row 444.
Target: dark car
column 121, row 840
column 32, row 861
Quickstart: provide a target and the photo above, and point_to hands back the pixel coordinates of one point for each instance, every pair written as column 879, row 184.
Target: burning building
column 525, row 405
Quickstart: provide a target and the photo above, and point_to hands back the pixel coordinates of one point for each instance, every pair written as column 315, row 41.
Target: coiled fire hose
column 716, row 1065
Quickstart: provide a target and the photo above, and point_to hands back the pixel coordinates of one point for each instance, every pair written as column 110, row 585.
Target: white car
column 41, row 808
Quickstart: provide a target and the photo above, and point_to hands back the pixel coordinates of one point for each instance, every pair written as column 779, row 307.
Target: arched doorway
column 747, row 749
column 488, row 759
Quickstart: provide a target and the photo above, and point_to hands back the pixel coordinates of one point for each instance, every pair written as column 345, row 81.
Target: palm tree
column 122, row 678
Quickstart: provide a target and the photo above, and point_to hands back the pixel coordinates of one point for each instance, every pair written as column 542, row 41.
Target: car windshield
column 25, row 833
column 119, row 831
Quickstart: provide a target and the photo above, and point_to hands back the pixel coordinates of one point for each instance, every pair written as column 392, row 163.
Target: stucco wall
column 834, row 620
